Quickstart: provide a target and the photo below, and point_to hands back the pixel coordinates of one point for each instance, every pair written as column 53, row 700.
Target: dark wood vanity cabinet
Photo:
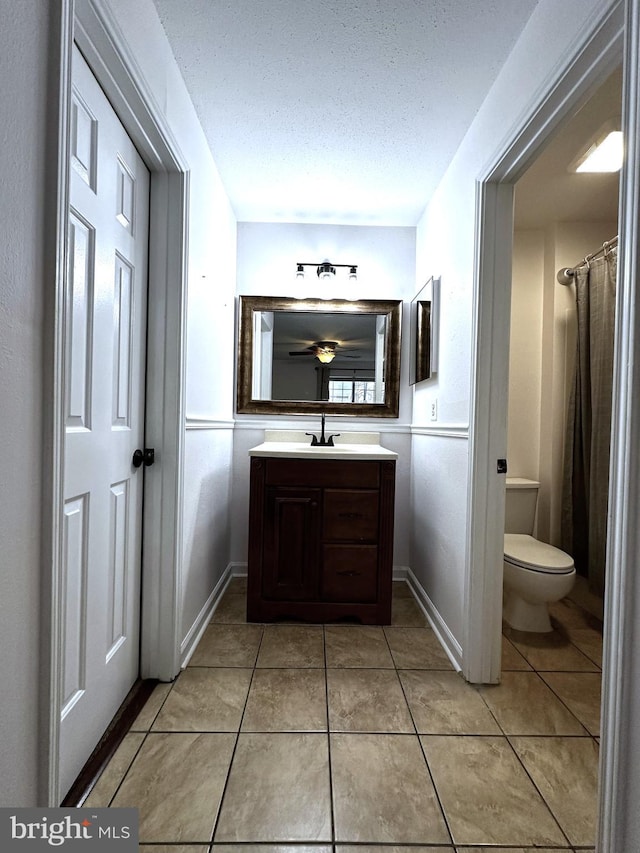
column 320, row 540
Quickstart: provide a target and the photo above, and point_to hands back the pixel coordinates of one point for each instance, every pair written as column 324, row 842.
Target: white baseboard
column 194, row 635
column 448, row 642
column 400, row 573
column 239, row 570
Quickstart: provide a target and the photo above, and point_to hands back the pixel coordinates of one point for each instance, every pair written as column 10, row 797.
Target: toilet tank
column 520, row 505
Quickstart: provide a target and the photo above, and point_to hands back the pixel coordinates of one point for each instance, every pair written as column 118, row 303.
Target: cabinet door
column 291, row 555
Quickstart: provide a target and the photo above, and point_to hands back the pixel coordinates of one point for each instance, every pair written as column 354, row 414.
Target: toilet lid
column 523, row 550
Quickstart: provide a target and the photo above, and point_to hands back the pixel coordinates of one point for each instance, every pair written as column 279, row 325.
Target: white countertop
column 296, row 445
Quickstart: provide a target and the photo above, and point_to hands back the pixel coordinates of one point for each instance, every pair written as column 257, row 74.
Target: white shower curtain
column 586, row 460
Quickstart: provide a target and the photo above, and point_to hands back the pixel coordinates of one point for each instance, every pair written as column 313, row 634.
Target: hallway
column 320, row 738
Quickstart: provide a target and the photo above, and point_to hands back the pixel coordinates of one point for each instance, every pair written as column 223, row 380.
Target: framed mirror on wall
column 307, row 356
column 424, row 325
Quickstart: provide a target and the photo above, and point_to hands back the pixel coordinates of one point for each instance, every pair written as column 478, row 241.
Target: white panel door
column 105, row 329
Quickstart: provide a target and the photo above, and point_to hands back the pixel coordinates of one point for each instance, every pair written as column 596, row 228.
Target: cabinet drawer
column 350, row 573
column 323, row 473
column 351, row 514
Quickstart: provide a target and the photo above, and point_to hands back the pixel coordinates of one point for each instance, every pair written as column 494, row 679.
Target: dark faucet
column 322, row 441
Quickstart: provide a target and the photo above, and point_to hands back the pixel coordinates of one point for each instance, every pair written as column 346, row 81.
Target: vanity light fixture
column 327, row 270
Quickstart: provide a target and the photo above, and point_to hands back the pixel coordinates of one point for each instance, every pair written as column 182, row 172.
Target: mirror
column 306, row 356
column 424, row 314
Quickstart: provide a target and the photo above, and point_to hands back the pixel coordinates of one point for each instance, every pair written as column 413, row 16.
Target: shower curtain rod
column 566, row 274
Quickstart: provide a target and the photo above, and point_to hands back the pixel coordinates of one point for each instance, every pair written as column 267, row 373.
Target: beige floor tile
column 407, row 613
column 485, row 793
column 278, row 790
column 515, row 850
column 416, row 648
column 271, row 848
column 115, row 771
column 367, row 700
column 401, row 589
column 382, row 792
column 513, row 700
column 176, row 782
column 228, row 645
column 565, row 771
column 511, row 657
column 551, row 652
column 589, row 641
column 174, row 848
column 147, row 715
column 567, row 612
column 443, row 703
column 393, row 848
column 357, row 646
column 237, row 585
column 580, row 692
column 286, row 700
column 232, row 609
column 205, row 699
column 292, row 646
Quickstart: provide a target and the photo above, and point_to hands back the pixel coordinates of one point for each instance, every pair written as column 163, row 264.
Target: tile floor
column 291, row 738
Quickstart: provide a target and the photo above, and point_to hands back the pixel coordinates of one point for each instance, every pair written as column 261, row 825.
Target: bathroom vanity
column 321, row 530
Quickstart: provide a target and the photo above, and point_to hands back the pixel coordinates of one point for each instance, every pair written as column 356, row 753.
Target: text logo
column 33, row 829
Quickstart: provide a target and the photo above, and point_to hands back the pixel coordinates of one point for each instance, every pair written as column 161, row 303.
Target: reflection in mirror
column 310, row 355
column 425, row 309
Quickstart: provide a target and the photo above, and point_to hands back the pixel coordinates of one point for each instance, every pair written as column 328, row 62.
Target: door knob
column 144, row 457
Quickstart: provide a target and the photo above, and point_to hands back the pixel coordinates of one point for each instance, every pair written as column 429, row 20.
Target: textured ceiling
column 338, row 111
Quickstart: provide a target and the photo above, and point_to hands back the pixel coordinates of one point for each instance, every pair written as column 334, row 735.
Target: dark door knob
column 144, row 457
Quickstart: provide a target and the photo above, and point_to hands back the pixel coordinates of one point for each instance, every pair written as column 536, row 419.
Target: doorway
column 92, row 28
column 560, row 217
column 596, row 56
column 104, row 378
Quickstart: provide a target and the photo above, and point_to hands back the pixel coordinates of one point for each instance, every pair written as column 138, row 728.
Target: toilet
column 535, row 573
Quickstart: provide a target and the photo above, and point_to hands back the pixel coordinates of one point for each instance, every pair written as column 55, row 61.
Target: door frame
column 91, row 25
column 612, row 38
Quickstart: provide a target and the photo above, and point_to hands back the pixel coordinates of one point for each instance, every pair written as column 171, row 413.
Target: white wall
column 210, row 318
column 23, row 137
column 267, row 257
column 445, row 247
column 525, row 356
column 543, row 329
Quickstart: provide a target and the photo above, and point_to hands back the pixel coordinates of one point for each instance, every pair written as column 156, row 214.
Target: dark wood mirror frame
column 391, row 309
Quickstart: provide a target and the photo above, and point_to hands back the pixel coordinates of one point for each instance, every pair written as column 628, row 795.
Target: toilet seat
column 528, row 553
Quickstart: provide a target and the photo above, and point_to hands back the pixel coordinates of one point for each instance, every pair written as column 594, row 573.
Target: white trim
column 619, row 774
column 442, row 430
column 239, row 569
column 201, row 623
column 50, row 699
column 371, row 424
column 106, row 51
column 205, row 423
column 448, row 642
column 400, row 573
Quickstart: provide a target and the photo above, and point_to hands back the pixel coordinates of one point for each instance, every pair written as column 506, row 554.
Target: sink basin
column 298, row 450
